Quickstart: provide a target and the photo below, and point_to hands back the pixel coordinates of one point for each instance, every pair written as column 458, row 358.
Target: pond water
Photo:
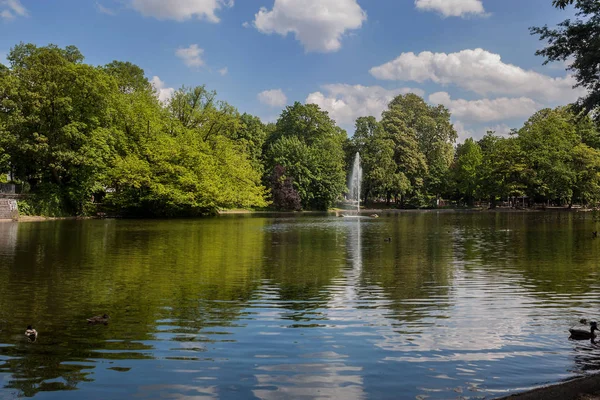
column 457, row 305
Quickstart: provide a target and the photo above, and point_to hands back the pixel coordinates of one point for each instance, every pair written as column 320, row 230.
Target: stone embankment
column 8, row 202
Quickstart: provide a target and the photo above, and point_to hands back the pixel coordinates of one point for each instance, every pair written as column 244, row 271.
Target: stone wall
column 7, row 188
column 9, row 209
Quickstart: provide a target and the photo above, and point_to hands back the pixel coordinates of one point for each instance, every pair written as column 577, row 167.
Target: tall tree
column 56, row 112
column 400, row 123
column 577, row 42
column 467, row 169
column 548, row 139
column 308, row 144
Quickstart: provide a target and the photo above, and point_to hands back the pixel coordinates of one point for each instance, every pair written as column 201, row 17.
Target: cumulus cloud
column 10, row 9
column 164, row 93
column 345, row 103
column 273, row 98
column 224, row 71
column 181, row 10
column 479, row 71
column 318, row 24
column 191, row 56
column 452, row 8
column 486, row 110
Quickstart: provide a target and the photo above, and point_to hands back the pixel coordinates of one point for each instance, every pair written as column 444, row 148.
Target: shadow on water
column 278, row 307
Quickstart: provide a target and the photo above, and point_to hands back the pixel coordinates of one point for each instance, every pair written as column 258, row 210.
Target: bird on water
column 583, row 334
column 31, row 333
column 99, row 319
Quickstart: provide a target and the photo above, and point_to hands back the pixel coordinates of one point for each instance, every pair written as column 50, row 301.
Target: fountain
column 354, row 184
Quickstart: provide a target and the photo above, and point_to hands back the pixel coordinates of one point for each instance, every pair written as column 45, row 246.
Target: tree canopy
column 578, row 44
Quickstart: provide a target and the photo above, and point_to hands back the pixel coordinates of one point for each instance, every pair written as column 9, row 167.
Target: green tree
column 548, row 139
column 503, row 168
column 185, row 160
column 466, row 171
column 56, row 111
column 308, row 144
column 400, row 123
column 577, row 42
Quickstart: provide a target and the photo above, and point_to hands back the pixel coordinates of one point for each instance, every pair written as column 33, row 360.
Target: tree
column 186, row 160
column 467, row 169
column 400, row 123
column 577, row 42
column 285, row 196
column 548, row 139
column 129, row 76
column 308, row 144
column 503, row 168
column 55, row 111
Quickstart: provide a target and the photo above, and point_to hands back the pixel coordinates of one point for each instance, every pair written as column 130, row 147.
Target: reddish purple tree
column 285, row 195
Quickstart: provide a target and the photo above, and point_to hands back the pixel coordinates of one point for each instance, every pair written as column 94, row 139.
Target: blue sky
column 349, row 56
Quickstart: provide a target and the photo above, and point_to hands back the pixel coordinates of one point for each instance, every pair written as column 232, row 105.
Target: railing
column 7, row 188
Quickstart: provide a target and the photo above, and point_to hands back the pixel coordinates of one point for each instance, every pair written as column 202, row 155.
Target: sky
column 351, row 57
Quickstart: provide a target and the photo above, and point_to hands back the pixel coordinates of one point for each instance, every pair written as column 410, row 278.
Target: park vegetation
column 82, row 139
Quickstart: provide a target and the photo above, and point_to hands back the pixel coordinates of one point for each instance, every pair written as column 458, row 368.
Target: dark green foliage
column 577, row 42
column 308, row 144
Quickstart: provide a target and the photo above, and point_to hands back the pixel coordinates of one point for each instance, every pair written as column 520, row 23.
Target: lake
column 457, row 305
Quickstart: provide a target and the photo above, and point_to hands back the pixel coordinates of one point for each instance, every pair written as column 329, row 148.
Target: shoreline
column 335, row 211
column 583, row 388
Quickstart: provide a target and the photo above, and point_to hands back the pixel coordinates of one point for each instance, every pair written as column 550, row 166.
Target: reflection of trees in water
column 552, row 252
column 8, row 239
column 156, row 280
column 414, row 270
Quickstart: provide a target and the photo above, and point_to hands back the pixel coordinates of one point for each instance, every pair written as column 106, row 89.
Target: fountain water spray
column 355, row 181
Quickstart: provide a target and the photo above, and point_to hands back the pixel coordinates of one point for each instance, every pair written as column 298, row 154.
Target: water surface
column 458, row 305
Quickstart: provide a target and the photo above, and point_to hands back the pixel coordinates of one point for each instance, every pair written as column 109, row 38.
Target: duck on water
column 99, row 319
column 31, row 333
column 584, row 334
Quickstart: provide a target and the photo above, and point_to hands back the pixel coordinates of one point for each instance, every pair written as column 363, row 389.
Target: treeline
column 83, row 139
column 553, row 159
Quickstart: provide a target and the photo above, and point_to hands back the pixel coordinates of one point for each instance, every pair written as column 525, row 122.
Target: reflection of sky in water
column 450, row 308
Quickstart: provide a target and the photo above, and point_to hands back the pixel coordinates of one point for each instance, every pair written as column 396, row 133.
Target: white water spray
column 355, row 181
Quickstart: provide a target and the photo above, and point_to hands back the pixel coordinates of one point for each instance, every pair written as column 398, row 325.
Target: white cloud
column 181, row 10
column 345, row 103
column 191, row 56
column 104, row 10
column 486, row 110
column 463, row 133
column 273, row 98
column 164, row 93
column 10, row 9
column 224, row 71
column 500, row 129
column 318, row 24
column 452, row 8
column 479, row 71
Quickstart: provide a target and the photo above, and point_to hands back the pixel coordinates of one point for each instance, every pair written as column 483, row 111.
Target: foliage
column 74, row 132
column 285, row 195
column 308, row 144
column 55, row 112
column 467, row 169
column 578, row 43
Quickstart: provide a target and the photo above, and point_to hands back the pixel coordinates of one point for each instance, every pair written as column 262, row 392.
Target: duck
column 583, row 321
column 582, row 334
column 31, row 333
column 389, row 239
column 99, row 319
column 374, row 216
